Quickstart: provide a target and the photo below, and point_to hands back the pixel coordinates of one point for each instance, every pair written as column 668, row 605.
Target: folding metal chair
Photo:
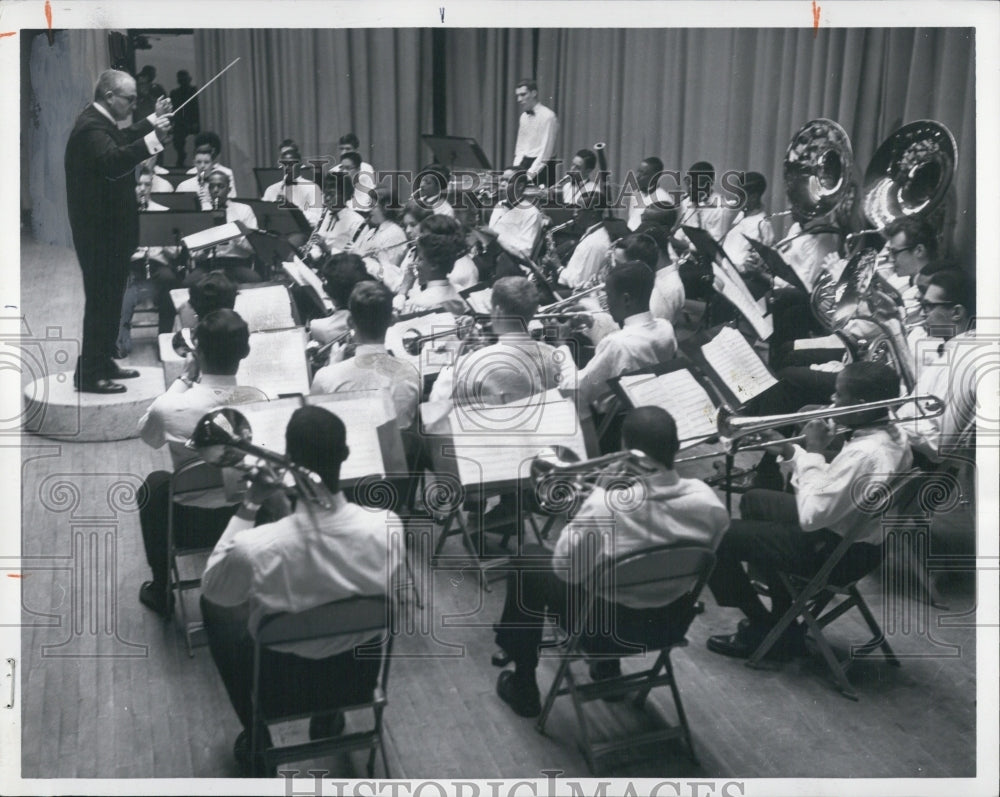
column 839, row 577
column 339, row 618
column 662, row 566
column 192, row 477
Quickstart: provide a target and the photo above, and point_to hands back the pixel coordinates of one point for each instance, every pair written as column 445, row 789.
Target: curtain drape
column 314, row 86
column 736, row 97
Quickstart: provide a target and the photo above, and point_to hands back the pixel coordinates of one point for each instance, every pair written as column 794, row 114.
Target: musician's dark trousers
column 105, row 271
column 195, row 527
column 534, row 591
column 793, row 320
column 769, row 539
column 292, row 683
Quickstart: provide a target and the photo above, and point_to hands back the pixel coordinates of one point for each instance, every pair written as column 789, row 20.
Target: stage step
column 53, row 408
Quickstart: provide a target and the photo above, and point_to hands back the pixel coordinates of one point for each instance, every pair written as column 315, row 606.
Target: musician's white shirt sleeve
column 587, row 258
column 668, row 296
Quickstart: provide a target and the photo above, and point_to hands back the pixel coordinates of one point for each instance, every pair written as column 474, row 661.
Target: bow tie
column 530, row 113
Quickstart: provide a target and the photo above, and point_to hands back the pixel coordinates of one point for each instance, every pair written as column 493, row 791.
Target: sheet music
column 265, row 308
column 268, row 420
column 680, row 394
column 736, row 292
column 481, row 301
column 500, row 443
column 362, row 412
column 179, row 297
column 831, row 342
column 277, row 362
column 301, row 274
column 212, row 236
column 434, row 355
column 737, row 365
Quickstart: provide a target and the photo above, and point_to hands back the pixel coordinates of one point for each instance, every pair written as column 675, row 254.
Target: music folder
column 170, row 227
column 213, row 236
column 307, row 279
column 270, row 249
column 176, row 201
column 776, row 264
column 266, row 176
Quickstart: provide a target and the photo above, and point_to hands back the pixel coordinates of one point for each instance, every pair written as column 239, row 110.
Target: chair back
column 680, row 568
column 195, row 476
column 338, row 618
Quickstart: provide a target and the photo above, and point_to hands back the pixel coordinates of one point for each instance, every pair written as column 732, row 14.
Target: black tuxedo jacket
column 100, row 182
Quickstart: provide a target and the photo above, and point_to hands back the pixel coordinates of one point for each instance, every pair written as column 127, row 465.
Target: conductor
column 103, row 215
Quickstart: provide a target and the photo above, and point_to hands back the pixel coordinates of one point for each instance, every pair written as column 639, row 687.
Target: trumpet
column 561, row 480
column 733, row 428
column 223, row 438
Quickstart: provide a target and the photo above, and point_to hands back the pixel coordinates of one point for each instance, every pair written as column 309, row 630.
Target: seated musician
column 199, row 183
column 702, row 206
column 339, row 224
column 293, row 188
column 311, row 557
column 651, row 245
column 516, row 222
column 235, row 257
column 590, row 256
column 214, row 291
column 514, row 367
column 340, row 274
column 371, row 367
column 221, row 341
column 642, row 340
column 432, row 187
column 673, row 509
column 382, row 244
column 912, row 246
column 647, row 178
column 580, row 182
column 440, row 244
column 153, row 274
column 750, row 223
column 214, row 143
column 159, row 185
column 364, row 185
column 349, row 142
column 779, row 531
column 948, row 307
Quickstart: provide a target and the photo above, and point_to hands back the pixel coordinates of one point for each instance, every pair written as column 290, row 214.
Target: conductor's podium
column 53, row 407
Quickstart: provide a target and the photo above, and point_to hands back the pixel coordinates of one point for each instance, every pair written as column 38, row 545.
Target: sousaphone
column 817, row 169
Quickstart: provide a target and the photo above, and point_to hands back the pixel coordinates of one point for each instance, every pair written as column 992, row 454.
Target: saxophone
column 551, row 264
column 314, row 236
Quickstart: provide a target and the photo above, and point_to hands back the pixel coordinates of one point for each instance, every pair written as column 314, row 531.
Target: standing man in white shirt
column 537, row 128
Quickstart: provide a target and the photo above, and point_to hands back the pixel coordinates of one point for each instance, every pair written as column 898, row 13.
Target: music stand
column 274, row 218
column 457, row 151
column 175, row 178
column 167, row 227
column 184, row 200
column 776, row 264
column 271, row 250
column 267, row 176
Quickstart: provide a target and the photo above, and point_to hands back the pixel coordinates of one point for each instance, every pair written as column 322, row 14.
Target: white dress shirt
column 827, row 493
column 311, row 557
column 572, row 192
column 437, row 295
column 328, row 329
column 238, row 247
column 712, row 215
column 641, row 342
column 756, row 226
column 670, row 510
column 805, row 253
column 513, row 368
column 636, row 203
column 383, row 249
column 373, row 368
column 216, row 167
column 536, row 137
column 588, row 258
column 517, row 228
column 160, row 185
column 339, row 229
column 302, row 193
column 667, row 299
column 441, row 207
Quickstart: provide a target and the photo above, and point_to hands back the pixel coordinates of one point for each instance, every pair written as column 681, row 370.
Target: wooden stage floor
column 113, row 693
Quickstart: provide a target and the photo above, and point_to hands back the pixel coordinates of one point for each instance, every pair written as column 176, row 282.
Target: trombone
column 414, row 340
column 569, row 301
column 557, row 477
column 223, row 438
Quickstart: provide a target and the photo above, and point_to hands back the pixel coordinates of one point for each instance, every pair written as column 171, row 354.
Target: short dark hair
column 870, row 381
column 387, row 200
column 515, row 297
column 352, row 156
column 653, row 431
column 754, row 183
column 958, row 287
column 419, row 212
column 660, row 213
column 440, row 241
column 349, row 140
column 316, row 439
column 588, row 156
column 222, row 339
column 655, row 162
column 371, row 308
column 702, row 167
column 440, row 174
column 641, row 247
column 289, row 143
column 210, row 138
column 341, row 181
column 341, row 273
column 527, row 83
column 148, row 71
column 214, row 291
column 205, row 149
column 659, row 234
column 917, row 232
column 633, row 277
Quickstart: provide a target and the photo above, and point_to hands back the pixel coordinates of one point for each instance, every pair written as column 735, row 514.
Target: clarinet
column 314, row 236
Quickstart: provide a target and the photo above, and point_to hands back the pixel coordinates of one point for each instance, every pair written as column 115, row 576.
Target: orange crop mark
column 816, row 10
column 15, row 575
column 48, row 19
column 8, row 33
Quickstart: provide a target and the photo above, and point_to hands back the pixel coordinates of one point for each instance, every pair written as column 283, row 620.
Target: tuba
column 817, row 169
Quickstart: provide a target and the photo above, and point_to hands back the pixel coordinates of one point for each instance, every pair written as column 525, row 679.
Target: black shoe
column 122, row 373
column 99, row 386
column 325, row 727
column 241, row 752
column 747, row 639
column 154, row 597
column 520, row 694
column 500, row 659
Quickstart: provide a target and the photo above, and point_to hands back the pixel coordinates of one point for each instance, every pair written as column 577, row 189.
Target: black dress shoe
column 520, row 694
column 155, row 597
column 747, row 639
column 100, row 386
column 122, row 373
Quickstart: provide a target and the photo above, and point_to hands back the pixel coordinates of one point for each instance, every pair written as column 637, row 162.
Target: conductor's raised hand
column 162, row 128
column 163, row 106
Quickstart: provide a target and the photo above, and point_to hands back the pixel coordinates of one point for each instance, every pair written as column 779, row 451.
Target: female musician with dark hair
column 383, row 243
column 440, row 243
